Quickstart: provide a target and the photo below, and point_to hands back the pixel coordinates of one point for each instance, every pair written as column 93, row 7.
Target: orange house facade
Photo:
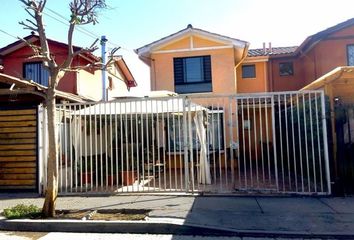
column 194, row 61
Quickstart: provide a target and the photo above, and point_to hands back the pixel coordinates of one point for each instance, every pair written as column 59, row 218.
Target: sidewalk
column 280, row 216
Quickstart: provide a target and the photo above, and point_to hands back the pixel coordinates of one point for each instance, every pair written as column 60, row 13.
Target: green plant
column 22, row 211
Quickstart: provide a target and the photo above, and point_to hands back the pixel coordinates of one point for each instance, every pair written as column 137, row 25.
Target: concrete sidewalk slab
column 164, row 202
column 340, row 205
column 295, row 215
column 232, row 204
column 296, row 205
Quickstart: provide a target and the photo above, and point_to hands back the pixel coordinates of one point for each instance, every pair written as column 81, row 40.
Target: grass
column 22, row 211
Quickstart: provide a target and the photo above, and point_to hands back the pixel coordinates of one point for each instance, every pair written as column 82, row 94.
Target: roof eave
column 146, row 50
column 328, row 78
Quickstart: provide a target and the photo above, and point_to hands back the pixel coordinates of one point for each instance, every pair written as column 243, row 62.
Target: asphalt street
column 105, row 236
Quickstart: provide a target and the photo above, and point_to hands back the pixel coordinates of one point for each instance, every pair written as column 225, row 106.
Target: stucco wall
column 257, row 84
column 222, row 64
column 89, row 84
column 119, row 86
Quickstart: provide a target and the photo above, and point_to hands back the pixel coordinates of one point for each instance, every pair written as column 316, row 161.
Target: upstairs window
column 286, row 69
column 350, row 55
column 192, row 74
column 36, row 72
column 249, row 71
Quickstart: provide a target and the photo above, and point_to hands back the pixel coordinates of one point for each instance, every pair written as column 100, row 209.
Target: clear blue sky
column 134, row 23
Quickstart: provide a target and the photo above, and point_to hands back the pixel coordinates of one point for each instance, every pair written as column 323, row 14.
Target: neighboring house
column 292, row 68
column 194, row 61
column 16, row 62
column 21, row 136
column 23, row 82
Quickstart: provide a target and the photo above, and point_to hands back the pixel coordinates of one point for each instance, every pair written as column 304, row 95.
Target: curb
column 166, row 226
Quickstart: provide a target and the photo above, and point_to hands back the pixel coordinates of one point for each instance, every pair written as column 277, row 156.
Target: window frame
column 214, row 137
column 291, row 63
column 24, row 64
column 254, row 71
column 347, row 52
column 181, row 78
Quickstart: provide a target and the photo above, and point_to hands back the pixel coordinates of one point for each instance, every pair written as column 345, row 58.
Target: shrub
column 22, row 211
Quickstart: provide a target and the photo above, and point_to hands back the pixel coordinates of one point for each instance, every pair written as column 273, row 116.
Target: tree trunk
column 51, row 193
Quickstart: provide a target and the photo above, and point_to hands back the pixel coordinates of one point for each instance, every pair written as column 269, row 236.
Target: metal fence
column 270, row 142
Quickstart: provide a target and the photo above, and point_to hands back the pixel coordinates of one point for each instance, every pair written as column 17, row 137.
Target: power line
column 85, row 31
column 78, row 28
column 67, row 24
column 8, row 34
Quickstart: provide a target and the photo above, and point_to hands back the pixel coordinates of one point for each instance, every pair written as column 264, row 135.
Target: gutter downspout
column 244, row 55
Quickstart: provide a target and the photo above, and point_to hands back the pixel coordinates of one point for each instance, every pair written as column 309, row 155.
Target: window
column 286, row 69
column 350, row 55
column 192, row 74
column 249, row 71
column 36, row 72
column 214, row 133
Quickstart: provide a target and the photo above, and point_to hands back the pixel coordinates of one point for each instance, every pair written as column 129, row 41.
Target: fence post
column 274, row 143
column 186, row 105
column 325, row 142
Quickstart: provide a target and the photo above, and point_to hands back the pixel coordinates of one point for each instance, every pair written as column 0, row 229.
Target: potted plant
column 111, row 177
column 129, row 174
column 85, row 171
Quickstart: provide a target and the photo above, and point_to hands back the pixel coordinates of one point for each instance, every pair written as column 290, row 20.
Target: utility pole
column 103, row 56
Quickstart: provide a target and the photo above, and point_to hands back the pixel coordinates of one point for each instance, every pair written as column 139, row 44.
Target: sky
column 131, row 24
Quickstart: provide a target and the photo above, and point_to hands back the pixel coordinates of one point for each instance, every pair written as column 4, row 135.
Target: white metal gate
column 269, row 142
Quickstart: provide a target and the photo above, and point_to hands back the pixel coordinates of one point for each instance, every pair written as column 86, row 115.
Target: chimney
column 264, row 48
column 270, row 47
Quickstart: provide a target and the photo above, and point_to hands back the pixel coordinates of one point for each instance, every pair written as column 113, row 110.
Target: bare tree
column 82, row 12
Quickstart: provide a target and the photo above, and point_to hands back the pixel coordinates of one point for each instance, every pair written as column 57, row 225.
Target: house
column 16, row 62
column 292, row 68
column 23, row 83
column 207, row 59
column 194, row 61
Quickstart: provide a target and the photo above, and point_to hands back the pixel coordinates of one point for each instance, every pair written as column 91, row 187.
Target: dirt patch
column 104, row 214
column 72, row 214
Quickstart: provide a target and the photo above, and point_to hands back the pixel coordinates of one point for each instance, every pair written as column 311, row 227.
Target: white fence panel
column 269, row 142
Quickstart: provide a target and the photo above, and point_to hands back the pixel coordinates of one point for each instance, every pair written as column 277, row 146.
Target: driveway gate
column 266, row 143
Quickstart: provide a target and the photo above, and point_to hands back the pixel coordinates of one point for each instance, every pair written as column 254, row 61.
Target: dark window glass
column 249, row 71
column 350, row 55
column 36, row 72
column 286, row 69
column 192, row 74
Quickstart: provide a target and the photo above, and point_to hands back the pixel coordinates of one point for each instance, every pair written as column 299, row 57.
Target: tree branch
column 29, row 13
column 31, row 22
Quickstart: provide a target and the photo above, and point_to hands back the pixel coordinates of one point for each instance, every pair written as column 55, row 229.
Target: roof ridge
column 274, row 47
